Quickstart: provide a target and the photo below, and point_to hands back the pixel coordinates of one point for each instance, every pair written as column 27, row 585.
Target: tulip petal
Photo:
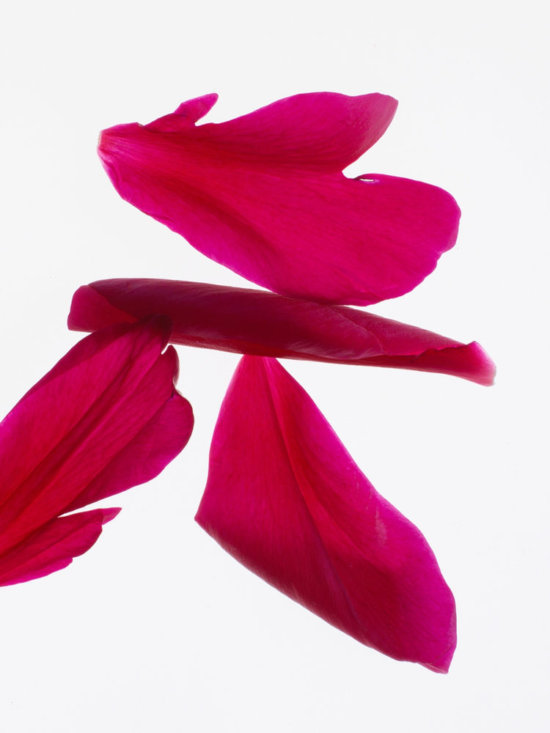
column 265, row 324
column 286, row 499
column 53, row 546
column 264, row 195
column 105, row 418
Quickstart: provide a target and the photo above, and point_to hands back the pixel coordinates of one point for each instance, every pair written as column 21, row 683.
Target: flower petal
column 286, row 499
column 264, row 324
column 319, row 131
column 264, row 195
column 53, row 546
column 185, row 115
column 104, row 418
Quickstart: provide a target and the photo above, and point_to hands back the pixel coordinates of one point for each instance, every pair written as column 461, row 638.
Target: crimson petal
column 286, row 499
column 53, row 546
column 105, row 418
column 264, row 195
column 265, row 324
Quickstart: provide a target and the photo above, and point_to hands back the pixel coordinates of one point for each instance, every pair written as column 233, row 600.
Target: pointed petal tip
column 110, row 513
column 202, row 105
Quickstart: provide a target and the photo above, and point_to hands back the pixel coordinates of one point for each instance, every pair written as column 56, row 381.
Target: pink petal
column 264, row 195
column 53, row 546
column 286, row 499
column 264, row 324
column 105, row 418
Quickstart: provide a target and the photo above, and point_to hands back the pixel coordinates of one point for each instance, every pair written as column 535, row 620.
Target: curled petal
column 286, row 499
column 105, row 418
column 264, row 195
column 264, row 324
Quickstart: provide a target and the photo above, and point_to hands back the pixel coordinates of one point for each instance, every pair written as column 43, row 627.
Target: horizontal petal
column 286, row 499
column 320, row 131
column 265, row 324
column 53, row 546
column 104, row 418
column 264, row 195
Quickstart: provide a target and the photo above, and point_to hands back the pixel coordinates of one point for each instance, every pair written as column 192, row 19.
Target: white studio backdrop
column 156, row 628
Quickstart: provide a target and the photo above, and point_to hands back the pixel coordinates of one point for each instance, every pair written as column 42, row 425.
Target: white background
column 156, row 628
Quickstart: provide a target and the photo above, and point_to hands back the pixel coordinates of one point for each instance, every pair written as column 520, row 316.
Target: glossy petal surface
column 264, row 194
column 286, row 499
column 105, row 418
column 265, row 324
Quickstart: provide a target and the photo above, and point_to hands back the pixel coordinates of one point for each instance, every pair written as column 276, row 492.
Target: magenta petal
column 185, row 115
column 319, row 131
column 105, row 418
column 264, row 195
column 53, row 546
column 264, row 324
column 286, row 499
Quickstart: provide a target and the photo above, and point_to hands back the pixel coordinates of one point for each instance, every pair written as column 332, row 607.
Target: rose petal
column 264, row 324
column 105, row 418
column 286, row 499
column 264, row 195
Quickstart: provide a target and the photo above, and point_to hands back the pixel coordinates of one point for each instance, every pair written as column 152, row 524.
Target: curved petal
column 319, row 131
column 105, row 418
column 265, row 324
column 264, row 195
column 53, row 546
column 286, row 499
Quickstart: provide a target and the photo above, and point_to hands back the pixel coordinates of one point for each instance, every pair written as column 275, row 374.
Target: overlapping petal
column 286, row 499
column 264, row 195
column 105, row 418
column 264, row 324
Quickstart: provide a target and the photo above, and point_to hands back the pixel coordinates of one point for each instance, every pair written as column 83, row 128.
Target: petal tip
column 485, row 367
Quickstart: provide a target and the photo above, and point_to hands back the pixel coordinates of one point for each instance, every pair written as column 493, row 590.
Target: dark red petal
column 286, row 499
column 104, row 418
column 53, row 546
column 264, row 324
column 264, row 195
